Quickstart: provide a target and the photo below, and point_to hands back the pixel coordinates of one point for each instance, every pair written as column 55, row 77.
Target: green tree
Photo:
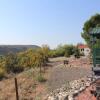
column 45, row 52
column 93, row 22
column 60, row 51
column 69, row 50
column 11, row 63
column 76, row 53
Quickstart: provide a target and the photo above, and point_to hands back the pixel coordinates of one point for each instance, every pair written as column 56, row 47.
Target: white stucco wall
column 85, row 51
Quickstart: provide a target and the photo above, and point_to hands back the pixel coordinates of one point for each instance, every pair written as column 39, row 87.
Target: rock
column 70, row 97
column 53, row 98
column 87, row 84
column 63, row 97
column 66, row 92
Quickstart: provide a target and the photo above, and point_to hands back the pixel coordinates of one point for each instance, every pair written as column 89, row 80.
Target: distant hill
column 5, row 49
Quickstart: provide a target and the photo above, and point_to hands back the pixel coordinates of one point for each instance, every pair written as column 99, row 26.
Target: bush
column 17, row 69
column 67, row 54
column 40, row 78
column 53, row 53
column 2, row 73
column 76, row 53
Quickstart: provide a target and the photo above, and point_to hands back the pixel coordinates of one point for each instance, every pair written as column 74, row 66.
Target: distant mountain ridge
column 5, row 49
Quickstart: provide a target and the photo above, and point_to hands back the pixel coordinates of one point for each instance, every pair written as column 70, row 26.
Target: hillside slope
column 5, row 49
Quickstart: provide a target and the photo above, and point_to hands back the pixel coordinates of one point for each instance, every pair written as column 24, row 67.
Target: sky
column 38, row 22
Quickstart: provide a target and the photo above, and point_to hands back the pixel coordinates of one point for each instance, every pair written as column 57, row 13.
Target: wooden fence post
column 16, row 88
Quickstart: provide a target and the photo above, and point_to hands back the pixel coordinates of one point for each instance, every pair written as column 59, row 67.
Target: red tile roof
column 82, row 46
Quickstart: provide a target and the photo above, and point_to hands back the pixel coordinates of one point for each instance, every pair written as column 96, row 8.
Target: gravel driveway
column 61, row 75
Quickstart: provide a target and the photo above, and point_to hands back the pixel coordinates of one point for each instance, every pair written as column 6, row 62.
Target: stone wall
column 69, row 90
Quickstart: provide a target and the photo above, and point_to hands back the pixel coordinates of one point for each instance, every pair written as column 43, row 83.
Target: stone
column 66, row 93
column 70, row 97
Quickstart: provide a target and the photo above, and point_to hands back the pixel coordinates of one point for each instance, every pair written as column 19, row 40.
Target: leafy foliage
column 93, row 22
column 76, row 53
column 15, row 63
column 62, row 50
column 2, row 73
column 40, row 78
column 69, row 50
column 12, row 63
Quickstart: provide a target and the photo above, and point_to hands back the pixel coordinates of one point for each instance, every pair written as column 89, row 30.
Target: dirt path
column 60, row 75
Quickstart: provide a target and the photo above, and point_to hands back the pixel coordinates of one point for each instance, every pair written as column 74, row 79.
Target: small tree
column 68, row 50
column 76, row 53
column 11, row 63
column 45, row 52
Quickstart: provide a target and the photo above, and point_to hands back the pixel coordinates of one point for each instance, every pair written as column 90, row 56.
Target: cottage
column 84, row 49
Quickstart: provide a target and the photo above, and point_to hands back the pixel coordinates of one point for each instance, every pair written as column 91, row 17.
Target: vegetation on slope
column 31, row 58
column 14, row 63
column 5, row 49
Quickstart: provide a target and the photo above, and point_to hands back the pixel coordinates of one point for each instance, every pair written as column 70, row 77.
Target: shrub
column 67, row 54
column 2, row 73
column 76, row 53
column 53, row 53
column 17, row 69
column 40, row 78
